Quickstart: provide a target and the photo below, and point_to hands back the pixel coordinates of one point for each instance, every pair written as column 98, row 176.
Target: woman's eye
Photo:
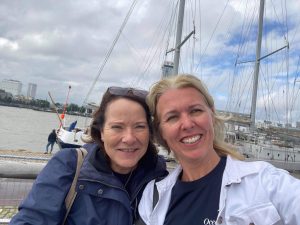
column 171, row 118
column 141, row 126
column 116, row 127
column 196, row 110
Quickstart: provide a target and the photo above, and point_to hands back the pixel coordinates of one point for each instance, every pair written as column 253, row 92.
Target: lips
column 191, row 139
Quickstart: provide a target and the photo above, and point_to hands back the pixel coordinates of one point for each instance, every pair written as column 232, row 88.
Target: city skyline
column 8, row 84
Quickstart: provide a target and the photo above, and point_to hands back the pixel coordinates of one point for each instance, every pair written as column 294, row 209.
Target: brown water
column 29, row 129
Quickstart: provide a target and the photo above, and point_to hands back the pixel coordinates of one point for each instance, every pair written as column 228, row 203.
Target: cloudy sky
column 60, row 43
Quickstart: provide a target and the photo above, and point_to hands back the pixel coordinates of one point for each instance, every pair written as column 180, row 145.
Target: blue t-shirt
column 196, row 202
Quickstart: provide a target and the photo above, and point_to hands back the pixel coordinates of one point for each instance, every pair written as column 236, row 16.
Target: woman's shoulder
column 69, row 155
column 250, row 167
column 66, row 155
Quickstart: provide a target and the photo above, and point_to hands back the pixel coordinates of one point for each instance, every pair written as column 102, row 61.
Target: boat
column 69, row 136
column 277, row 144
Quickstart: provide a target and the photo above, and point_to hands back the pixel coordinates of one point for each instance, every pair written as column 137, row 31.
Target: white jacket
column 251, row 193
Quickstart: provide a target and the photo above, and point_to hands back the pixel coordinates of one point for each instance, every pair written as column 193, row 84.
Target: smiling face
column 125, row 134
column 186, row 125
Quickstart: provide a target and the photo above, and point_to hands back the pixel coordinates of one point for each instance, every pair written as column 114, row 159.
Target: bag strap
column 81, row 153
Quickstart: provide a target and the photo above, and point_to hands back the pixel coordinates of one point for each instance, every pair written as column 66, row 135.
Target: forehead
column 122, row 106
column 179, row 97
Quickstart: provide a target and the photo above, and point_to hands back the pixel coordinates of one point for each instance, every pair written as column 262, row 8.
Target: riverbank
column 46, row 109
column 19, row 154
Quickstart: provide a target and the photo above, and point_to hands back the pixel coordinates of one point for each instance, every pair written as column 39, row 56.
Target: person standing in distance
column 51, row 141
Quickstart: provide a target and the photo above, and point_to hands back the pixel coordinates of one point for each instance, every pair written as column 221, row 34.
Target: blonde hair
column 182, row 81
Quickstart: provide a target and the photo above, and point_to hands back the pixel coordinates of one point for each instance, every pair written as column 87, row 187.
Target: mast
column 178, row 36
column 257, row 64
column 171, row 68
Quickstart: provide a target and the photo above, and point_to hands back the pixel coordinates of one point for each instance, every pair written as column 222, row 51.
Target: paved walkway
column 12, row 191
column 7, row 212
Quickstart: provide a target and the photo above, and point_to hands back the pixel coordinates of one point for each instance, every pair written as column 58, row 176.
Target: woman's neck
column 194, row 170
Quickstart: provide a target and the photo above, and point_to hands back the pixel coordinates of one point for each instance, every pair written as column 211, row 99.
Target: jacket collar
column 96, row 167
column 170, row 180
column 234, row 173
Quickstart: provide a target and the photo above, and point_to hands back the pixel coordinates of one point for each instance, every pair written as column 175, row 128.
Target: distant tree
column 82, row 109
column 42, row 103
column 73, row 108
column 8, row 99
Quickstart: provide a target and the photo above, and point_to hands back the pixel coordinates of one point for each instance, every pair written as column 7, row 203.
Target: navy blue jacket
column 52, row 137
column 101, row 199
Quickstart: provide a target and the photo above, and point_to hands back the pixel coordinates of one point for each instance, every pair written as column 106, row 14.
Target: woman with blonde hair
column 212, row 184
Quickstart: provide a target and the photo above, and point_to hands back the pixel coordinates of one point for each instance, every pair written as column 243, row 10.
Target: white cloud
column 61, row 44
column 7, row 44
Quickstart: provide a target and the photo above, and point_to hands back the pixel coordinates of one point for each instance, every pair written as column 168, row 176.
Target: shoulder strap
column 81, row 153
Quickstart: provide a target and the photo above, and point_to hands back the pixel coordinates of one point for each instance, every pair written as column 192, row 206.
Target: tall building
column 11, row 86
column 31, row 91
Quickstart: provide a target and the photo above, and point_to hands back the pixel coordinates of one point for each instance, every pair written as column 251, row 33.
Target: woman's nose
column 129, row 136
column 187, row 122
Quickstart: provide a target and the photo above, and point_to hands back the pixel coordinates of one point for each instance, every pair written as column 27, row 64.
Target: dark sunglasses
column 122, row 91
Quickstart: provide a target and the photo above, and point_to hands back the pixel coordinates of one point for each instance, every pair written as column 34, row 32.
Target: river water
column 29, row 129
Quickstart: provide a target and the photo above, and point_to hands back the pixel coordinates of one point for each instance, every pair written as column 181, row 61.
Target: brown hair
column 109, row 96
column 182, row 81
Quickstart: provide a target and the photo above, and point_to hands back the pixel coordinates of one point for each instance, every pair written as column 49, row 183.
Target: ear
column 213, row 109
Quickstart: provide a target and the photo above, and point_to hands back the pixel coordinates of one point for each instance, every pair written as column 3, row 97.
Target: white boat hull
column 70, row 139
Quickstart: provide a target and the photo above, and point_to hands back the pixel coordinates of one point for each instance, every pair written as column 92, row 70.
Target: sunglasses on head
column 122, row 91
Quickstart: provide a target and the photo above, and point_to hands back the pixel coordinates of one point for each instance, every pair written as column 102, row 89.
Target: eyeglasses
column 122, row 91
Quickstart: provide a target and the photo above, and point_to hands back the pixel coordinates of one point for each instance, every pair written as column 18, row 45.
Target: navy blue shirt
column 196, row 202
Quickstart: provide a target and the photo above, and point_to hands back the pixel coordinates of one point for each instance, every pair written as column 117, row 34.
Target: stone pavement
column 18, row 156
column 7, row 212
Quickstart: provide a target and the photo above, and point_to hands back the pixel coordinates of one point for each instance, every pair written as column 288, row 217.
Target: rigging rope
column 110, row 50
column 215, row 28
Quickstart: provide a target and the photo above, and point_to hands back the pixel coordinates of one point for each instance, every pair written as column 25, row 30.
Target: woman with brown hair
column 121, row 160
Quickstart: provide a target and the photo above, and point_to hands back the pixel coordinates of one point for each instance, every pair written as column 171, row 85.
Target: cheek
column 164, row 132
column 145, row 137
column 211, row 123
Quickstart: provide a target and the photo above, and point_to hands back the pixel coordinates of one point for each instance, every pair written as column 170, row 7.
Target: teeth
column 127, row 150
column 191, row 140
